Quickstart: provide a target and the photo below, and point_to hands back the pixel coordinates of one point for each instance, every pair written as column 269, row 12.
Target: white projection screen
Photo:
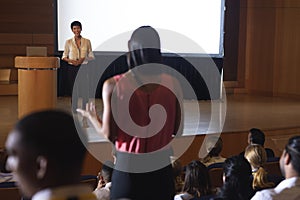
column 199, row 20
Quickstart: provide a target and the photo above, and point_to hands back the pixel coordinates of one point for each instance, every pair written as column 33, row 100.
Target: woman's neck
column 78, row 37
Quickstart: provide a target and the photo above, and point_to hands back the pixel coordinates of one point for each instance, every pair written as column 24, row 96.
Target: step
column 8, row 88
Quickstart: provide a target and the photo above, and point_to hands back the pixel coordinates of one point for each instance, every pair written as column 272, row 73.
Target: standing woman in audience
column 139, row 130
column 237, row 182
column 78, row 51
column 257, row 157
column 196, row 183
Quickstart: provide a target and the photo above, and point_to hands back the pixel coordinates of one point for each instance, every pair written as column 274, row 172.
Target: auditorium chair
column 215, row 172
column 273, row 169
column 9, row 191
column 90, row 180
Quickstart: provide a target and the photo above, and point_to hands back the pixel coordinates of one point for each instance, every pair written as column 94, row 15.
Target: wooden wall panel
column 272, row 47
column 260, row 49
column 43, row 39
column 6, row 61
column 13, row 49
column 30, row 16
column 287, row 69
column 15, row 44
column 241, row 70
column 15, row 38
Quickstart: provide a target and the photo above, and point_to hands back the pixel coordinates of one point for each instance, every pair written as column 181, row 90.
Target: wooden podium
column 37, row 83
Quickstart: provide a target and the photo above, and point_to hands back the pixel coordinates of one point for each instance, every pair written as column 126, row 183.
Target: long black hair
column 144, row 47
column 237, row 185
column 197, row 181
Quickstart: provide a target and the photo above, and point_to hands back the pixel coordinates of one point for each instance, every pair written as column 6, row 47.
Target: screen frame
column 220, row 55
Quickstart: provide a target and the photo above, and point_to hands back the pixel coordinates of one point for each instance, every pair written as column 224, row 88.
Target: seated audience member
column 46, row 155
column 5, row 175
column 103, row 189
column 237, row 182
column 290, row 168
column 214, row 146
column 257, row 136
column 196, row 183
column 257, row 157
column 177, row 173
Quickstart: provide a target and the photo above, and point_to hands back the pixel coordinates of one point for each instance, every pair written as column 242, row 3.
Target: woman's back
column 137, row 138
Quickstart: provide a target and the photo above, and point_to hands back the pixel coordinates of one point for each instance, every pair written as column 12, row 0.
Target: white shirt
column 288, row 189
column 72, row 52
column 103, row 193
column 183, row 196
column 80, row 191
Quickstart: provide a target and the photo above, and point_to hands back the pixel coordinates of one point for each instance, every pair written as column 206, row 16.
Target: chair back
column 274, row 172
column 90, row 180
column 216, row 177
column 273, row 168
column 10, row 193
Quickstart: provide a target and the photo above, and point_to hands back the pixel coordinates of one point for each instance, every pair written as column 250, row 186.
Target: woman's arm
column 179, row 120
column 65, row 55
column 90, row 55
column 107, row 125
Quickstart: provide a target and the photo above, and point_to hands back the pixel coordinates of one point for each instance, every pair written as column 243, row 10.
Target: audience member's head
column 237, row 182
column 290, row 158
column 177, row 173
column 257, row 157
column 256, row 136
column 3, row 160
column 106, row 172
column 45, row 151
column 197, row 181
column 214, row 146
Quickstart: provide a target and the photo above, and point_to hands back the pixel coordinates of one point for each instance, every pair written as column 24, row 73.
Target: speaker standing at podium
column 77, row 53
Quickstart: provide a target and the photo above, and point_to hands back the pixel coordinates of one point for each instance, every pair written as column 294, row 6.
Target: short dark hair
column 53, row 134
column 107, row 170
column 257, row 136
column 216, row 150
column 76, row 23
column 293, row 149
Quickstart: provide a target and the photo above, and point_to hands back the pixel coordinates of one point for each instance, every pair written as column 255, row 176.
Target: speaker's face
column 76, row 30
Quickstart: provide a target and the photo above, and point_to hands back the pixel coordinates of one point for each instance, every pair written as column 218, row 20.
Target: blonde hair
column 257, row 157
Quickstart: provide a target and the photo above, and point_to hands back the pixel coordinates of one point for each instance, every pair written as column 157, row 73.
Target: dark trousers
column 88, row 83
column 157, row 185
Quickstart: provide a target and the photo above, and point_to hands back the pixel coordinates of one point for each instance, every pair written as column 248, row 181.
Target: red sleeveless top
column 139, row 137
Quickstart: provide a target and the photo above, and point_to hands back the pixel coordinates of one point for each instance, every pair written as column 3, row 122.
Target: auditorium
column 253, row 83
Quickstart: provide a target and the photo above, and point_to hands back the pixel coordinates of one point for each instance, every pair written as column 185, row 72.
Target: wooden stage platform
column 278, row 117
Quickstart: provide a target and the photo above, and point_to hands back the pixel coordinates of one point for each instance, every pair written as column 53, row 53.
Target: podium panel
column 37, row 83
